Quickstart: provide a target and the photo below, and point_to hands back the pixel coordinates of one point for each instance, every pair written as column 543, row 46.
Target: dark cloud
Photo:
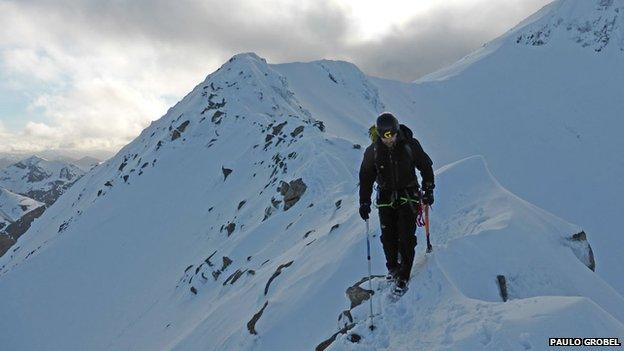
column 289, row 32
column 205, row 28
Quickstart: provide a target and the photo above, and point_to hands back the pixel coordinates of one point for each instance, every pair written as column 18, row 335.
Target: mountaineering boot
column 392, row 274
column 400, row 287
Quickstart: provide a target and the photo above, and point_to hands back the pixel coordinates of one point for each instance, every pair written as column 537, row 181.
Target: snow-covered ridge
column 484, row 235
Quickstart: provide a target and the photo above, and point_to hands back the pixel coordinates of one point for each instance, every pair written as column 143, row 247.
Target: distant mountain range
column 26, row 188
column 85, row 163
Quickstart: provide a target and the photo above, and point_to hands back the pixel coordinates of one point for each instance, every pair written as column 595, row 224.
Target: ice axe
column 429, row 247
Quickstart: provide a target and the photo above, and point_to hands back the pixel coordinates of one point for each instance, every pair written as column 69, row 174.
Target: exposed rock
column 502, row 286
column 49, row 196
column 346, row 314
column 179, row 130
column 207, row 260
column 251, row 325
column 319, row 125
column 338, row 204
column 275, row 202
column 230, row 228
column 292, row 192
column 241, row 204
column 19, row 227
column 357, row 146
column 217, row 116
column 335, row 226
column 216, row 274
column 226, row 172
column 325, row 344
column 277, row 272
column 233, row 277
column 6, row 242
column 357, row 295
column 226, row 262
column 278, row 128
column 267, row 213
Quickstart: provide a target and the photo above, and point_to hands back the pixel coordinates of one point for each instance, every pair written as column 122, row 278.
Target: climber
column 391, row 160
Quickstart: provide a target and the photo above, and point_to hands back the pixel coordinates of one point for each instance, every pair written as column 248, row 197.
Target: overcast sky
column 88, row 76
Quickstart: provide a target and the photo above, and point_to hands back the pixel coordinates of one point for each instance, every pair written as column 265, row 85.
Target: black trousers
column 398, row 237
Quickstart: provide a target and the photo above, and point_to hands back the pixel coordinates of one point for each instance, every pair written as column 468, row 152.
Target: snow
column 453, row 300
column 160, row 248
column 14, row 206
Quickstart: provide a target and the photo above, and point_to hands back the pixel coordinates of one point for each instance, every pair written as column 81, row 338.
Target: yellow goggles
column 388, row 134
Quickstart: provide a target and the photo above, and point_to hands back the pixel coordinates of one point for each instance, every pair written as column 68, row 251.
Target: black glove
column 364, row 210
column 428, row 193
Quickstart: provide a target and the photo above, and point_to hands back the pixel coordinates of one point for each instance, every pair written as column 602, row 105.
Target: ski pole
column 370, row 275
column 429, row 247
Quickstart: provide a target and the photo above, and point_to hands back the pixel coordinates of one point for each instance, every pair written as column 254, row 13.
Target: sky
column 85, row 77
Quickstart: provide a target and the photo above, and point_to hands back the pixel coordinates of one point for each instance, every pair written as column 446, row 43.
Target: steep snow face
column 231, row 223
column 595, row 25
column 336, row 92
column 237, row 181
column 14, row 206
column 39, row 179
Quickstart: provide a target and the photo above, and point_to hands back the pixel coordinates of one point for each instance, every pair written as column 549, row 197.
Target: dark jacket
column 393, row 169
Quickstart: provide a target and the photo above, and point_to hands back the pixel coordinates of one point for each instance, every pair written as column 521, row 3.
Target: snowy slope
column 189, row 238
column 543, row 109
column 454, row 301
column 39, row 179
column 14, row 206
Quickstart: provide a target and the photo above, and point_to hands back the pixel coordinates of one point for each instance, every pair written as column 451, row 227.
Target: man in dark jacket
column 390, row 161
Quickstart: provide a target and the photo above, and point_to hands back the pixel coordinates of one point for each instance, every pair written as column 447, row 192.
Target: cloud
column 101, row 71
